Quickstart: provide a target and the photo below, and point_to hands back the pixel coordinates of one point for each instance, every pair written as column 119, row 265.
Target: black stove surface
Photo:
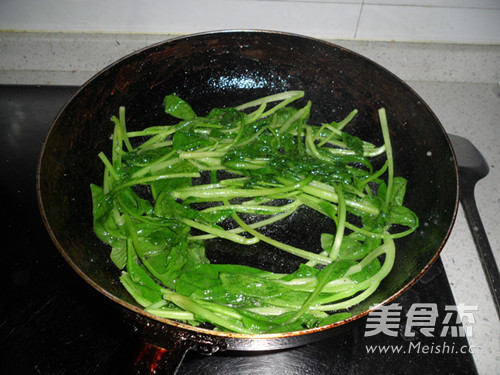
column 53, row 322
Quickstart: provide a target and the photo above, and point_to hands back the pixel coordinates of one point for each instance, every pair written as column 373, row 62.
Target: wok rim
column 222, row 334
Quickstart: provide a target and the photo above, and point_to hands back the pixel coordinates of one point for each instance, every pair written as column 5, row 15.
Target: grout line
column 359, row 18
column 311, row 1
column 395, row 4
column 430, row 6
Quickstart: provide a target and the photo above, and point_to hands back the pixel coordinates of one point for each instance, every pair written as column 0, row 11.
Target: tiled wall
column 457, row 21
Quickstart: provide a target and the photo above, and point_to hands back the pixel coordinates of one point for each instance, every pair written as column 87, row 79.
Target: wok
column 226, row 68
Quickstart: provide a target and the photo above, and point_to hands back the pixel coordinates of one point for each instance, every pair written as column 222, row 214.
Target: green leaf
column 139, row 274
column 216, row 216
column 133, row 203
column 353, row 142
column 403, row 216
column 335, row 270
column 250, row 285
column 195, row 253
column 190, row 141
column 292, row 299
column 105, row 218
column 168, row 184
column 398, row 191
column 303, row 271
column 368, row 271
column 141, row 293
column 169, row 268
column 226, row 117
column 255, row 322
column 168, row 207
column 119, row 254
column 302, row 322
column 351, row 249
column 178, row 108
column 196, row 281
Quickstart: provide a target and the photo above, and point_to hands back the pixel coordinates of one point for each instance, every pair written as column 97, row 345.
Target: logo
column 426, row 319
column 457, row 321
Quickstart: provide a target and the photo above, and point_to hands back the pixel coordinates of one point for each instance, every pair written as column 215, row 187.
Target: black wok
column 229, row 68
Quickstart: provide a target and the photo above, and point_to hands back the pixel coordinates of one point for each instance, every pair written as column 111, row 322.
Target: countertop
column 460, row 82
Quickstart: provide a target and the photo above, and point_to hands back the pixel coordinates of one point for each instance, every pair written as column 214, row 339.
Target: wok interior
column 229, row 68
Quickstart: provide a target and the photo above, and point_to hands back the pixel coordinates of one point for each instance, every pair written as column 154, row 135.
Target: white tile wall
column 455, row 21
column 481, row 4
column 425, row 23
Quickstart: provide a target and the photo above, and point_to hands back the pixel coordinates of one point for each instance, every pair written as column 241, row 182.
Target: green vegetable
column 156, row 216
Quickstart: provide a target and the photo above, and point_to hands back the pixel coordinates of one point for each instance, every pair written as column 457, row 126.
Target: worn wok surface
column 228, row 68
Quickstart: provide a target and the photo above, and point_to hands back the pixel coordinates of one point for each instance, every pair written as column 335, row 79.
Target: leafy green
column 196, row 180
column 178, row 108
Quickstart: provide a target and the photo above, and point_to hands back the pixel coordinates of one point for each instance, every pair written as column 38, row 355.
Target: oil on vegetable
column 263, row 160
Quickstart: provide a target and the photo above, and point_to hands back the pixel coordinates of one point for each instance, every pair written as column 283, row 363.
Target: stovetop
column 52, row 322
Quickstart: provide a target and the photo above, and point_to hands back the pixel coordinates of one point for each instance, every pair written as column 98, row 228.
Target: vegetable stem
column 388, row 151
